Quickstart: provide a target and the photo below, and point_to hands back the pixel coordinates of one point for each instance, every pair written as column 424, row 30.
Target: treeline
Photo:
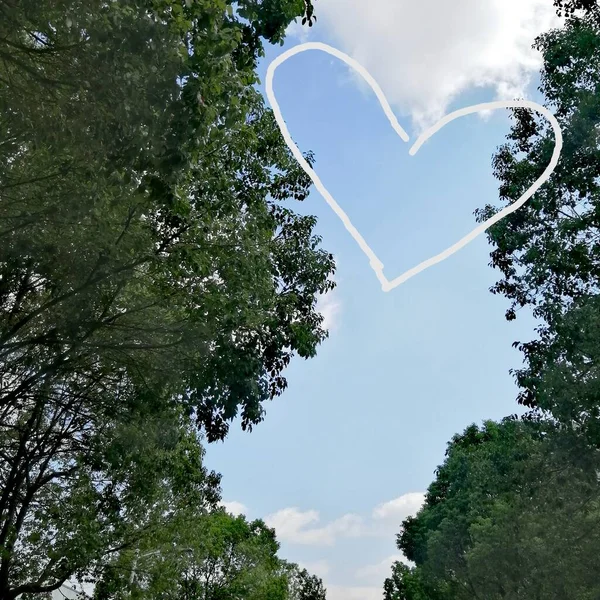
column 514, row 510
column 154, row 283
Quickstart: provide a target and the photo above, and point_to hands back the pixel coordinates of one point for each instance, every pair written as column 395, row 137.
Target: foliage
column 82, row 486
column 152, row 277
column 513, row 513
column 567, row 383
column 304, row 586
column 208, row 556
column 143, row 234
column 549, row 250
column 405, row 584
column 568, row 8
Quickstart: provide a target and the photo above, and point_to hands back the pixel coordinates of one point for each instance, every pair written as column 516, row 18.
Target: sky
column 349, row 449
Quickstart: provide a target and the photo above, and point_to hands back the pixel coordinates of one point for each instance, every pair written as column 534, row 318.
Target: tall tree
column 513, row 513
column 208, row 556
column 140, row 191
column 84, row 486
column 304, row 586
column 549, row 250
column 150, row 270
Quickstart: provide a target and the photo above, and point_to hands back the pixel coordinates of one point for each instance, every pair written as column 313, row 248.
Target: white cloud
column 291, row 525
column 329, row 306
column 399, row 508
column 320, row 568
column 377, row 573
column 389, row 515
column 338, row 592
column 297, row 526
column 298, row 31
column 302, row 527
column 423, row 54
column 235, row 508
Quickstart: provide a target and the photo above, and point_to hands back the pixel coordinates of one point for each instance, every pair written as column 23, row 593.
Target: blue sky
column 346, row 453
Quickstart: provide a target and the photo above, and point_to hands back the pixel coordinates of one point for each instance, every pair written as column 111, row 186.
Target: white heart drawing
column 375, row 263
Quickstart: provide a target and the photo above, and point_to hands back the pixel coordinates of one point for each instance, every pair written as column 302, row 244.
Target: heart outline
column 374, row 261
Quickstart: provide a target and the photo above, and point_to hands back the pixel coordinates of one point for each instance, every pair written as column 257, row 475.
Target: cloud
column 424, row 54
column 338, row 592
column 298, row 31
column 329, row 306
column 320, row 568
column 235, row 508
column 292, row 525
column 302, row 527
column 399, row 508
column 377, row 573
column 388, row 516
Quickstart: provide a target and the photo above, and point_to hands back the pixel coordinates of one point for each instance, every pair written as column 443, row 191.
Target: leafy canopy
column 154, row 279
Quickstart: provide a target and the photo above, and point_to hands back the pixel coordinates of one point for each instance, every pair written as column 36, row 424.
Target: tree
column 166, row 175
column 405, row 584
column 92, row 487
column 569, row 8
column 150, row 271
column 567, row 383
column 513, row 513
column 548, row 251
column 304, row 586
column 209, row 556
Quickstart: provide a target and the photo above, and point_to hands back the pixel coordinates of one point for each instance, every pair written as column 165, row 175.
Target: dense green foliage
column 142, row 230
column 549, row 250
column 514, row 512
column 154, row 280
column 213, row 556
